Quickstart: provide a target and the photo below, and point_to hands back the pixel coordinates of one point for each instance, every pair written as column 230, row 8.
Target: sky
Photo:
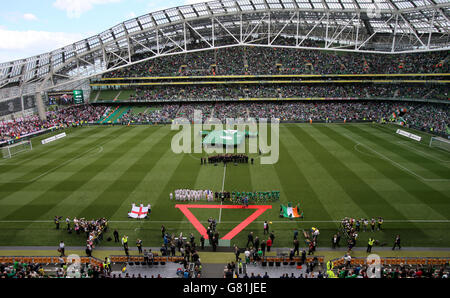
column 32, row 27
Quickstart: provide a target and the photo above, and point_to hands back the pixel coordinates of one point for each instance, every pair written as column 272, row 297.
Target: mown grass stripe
column 237, row 178
column 295, row 185
column 110, row 200
column 326, row 189
column 12, row 164
column 185, row 177
column 383, row 168
column 115, row 164
column 8, row 189
column 48, row 200
column 357, row 189
column 151, row 187
column 54, row 150
column 436, row 200
column 411, row 156
column 435, row 153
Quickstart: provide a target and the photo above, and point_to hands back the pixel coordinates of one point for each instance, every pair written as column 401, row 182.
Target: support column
column 40, row 106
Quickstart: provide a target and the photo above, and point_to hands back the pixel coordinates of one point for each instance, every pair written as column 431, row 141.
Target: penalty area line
column 405, row 169
column 426, row 155
column 84, row 154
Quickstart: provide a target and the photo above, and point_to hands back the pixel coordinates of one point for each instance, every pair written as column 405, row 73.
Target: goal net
column 14, row 149
column 440, row 143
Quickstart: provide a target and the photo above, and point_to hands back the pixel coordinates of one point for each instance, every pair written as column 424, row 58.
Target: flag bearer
column 380, row 222
column 366, row 224
column 372, row 224
column 57, row 222
column 139, row 245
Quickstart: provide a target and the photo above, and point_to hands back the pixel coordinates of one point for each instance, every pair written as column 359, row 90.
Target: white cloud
column 24, row 44
column 74, row 8
column 130, row 15
column 30, row 17
column 196, row 1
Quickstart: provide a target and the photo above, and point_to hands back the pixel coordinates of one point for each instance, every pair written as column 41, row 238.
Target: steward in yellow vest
column 370, row 244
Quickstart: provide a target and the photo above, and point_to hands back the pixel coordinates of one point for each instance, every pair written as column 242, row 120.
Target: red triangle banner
column 260, row 209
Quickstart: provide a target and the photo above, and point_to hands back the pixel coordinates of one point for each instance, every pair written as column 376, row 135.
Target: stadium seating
column 230, row 92
column 230, row 61
column 397, row 261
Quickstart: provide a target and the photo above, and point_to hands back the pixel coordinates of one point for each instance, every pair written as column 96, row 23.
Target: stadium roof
column 384, row 26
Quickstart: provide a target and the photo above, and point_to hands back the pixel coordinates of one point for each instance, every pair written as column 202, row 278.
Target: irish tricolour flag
column 290, row 212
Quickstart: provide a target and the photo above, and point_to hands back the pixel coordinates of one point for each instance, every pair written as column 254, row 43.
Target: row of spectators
column 425, row 117
column 23, row 270
column 19, row 270
column 219, row 92
column 13, row 129
column 395, row 272
column 163, row 115
column 270, row 61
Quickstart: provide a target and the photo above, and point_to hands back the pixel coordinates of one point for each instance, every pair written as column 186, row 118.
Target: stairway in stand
column 213, row 270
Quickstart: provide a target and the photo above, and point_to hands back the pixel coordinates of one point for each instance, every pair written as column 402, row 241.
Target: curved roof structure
column 380, row 26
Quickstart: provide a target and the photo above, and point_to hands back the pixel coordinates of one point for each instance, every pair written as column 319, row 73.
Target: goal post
column 14, row 149
column 441, row 143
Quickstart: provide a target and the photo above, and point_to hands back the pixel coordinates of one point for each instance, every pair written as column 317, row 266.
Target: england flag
column 140, row 212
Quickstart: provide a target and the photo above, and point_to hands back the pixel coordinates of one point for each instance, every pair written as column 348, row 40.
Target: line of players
column 228, row 158
column 351, row 226
column 192, row 195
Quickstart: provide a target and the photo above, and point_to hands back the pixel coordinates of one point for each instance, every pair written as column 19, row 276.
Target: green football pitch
column 332, row 170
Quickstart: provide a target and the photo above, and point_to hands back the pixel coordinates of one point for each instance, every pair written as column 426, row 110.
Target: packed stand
column 14, row 129
column 22, row 270
column 389, row 272
column 162, row 115
column 242, row 60
column 234, row 92
column 426, row 117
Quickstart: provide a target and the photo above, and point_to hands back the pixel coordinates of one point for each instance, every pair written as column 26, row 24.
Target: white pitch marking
column 397, row 164
column 403, row 143
column 59, row 166
column 234, row 222
column 223, row 188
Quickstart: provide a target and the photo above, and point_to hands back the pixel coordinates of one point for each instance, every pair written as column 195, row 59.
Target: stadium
column 233, row 138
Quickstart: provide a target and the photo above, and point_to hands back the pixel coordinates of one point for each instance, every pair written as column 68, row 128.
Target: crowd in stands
column 271, row 61
column 426, row 117
column 21, row 270
column 187, row 111
column 162, row 115
column 395, row 272
column 13, row 129
column 235, row 92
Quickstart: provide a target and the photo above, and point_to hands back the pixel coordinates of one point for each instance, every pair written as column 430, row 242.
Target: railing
column 285, row 260
column 271, row 99
column 48, row 260
column 29, row 136
column 396, row 261
column 87, row 260
column 140, row 259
